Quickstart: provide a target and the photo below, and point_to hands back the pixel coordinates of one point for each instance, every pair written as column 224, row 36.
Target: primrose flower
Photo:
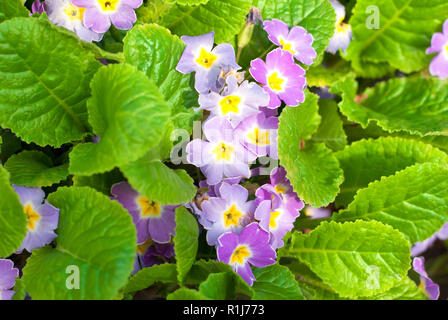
column 141, row 250
column 250, row 247
column 37, row 7
column 343, row 32
column 259, row 135
column 236, row 103
column 151, row 219
column 42, row 218
column 65, row 14
column 158, row 253
column 317, row 213
column 8, row 275
column 430, row 288
column 222, row 156
column 282, row 78
column 230, row 212
column 226, row 72
column 439, row 44
column 296, row 41
column 100, row 14
column 199, row 56
column 421, row 247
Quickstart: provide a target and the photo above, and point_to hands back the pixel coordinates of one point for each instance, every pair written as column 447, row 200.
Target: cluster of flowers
column 89, row 19
column 241, row 127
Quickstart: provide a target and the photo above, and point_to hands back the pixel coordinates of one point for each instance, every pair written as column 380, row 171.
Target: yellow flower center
column 273, row 219
column 232, row 216
column 32, row 215
column 239, row 254
column 149, row 208
column 275, row 83
column 206, row 59
column 141, row 248
column 108, row 5
column 259, row 137
column 74, row 13
column 230, row 104
column 286, row 46
column 342, row 27
column 223, row 151
column 280, row 188
column 446, row 49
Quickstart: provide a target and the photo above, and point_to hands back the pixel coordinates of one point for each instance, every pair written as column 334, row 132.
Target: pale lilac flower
column 259, row 135
column 225, row 73
column 296, row 41
column 343, row 32
column 8, row 275
column 100, row 14
column 439, row 44
column 158, row 253
column 430, row 288
column 236, row 102
column 65, row 14
column 222, row 156
column 37, row 7
column 421, row 247
column 229, row 212
column 199, row 56
column 151, row 219
column 42, row 218
column 250, row 247
column 282, row 78
column 317, row 213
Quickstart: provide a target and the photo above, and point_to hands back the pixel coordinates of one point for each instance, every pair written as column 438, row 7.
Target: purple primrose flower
column 37, row 7
column 343, row 32
column 8, row 275
column 439, row 44
column 430, row 288
column 421, row 247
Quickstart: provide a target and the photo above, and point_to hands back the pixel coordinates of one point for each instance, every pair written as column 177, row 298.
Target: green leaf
column 146, row 277
column 101, row 182
column 127, row 112
column 420, row 111
column 418, row 205
column 226, row 18
column 95, row 235
column 331, row 130
column 320, row 76
column 275, row 282
column 158, row 182
column 368, row 160
column 189, row 2
column 35, row 169
column 13, row 219
column 12, row 8
column 185, row 242
column 19, row 289
column 186, row 294
column 405, row 290
column 403, row 34
column 155, row 51
column 10, row 144
column 355, row 259
column 316, row 16
column 219, row 286
column 43, row 99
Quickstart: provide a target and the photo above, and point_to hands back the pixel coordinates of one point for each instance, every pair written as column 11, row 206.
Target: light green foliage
column 146, row 277
column 12, row 8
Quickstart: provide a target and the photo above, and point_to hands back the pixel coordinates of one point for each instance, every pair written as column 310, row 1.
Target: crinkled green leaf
column 275, row 282
column 219, row 286
column 331, row 131
column 361, row 258
column 405, row 290
column 225, row 18
column 101, row 182
column 19, row 290
column 13, row 219
column 12, row 8
column 9, row 145
column 44, row 82
column 368, row 160
column 189, row 2
column 127, row 112
column 320, row 76
column 405, row 28
column 146, row 277
column 413, row 201
column 95, row 235
column 158, row 182
column 414, row 105
column 185, row 242
column 155, row 51
column 34, row 169
column 186, row 294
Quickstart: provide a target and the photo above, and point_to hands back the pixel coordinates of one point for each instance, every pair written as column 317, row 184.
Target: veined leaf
column 96, row 242
column 226, row 18
column 128, row 113
column 401, row 37
column 12, row 8
column 146, row 277
column 101, row 182
column 13, row 219
column 44, row 82
column 355, row 259
column 413, row 201
column 422, row 110
column 34, row 169
column 368, row 160
column 186, row 294
column 219, row 286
